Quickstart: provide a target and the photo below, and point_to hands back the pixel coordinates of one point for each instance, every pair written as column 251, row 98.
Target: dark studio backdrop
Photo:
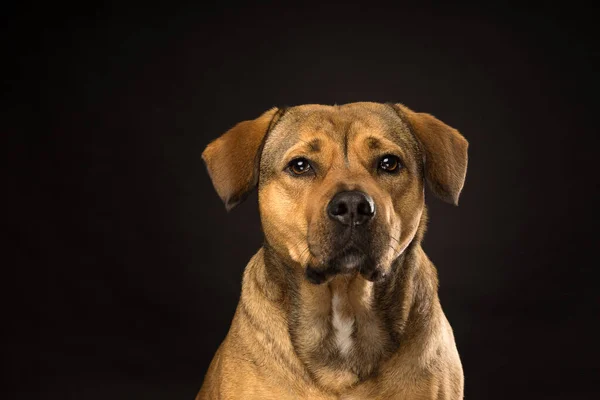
column 123, row 268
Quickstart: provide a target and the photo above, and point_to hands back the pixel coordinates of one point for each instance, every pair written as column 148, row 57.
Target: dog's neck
column 341, row 331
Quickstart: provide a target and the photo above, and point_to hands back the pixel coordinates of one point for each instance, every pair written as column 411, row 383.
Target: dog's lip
column 351, row 247
column 373, row 275
column 351, row 254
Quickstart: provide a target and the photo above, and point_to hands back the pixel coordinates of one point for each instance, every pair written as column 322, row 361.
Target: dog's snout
column 351, row 208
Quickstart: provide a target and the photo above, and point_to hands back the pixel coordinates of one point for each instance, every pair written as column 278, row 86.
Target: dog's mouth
column 349, row 260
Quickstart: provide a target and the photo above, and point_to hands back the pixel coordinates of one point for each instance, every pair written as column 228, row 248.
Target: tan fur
column 349, row 337
column 237, row 173
column 445, row 150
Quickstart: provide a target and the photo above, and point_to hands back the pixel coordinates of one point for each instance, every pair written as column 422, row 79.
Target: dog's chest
column 338, row 331
column 355, row 329
column 343, row 323
column 359, row 333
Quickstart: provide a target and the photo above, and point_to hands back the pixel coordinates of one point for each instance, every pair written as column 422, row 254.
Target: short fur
column 367, row 325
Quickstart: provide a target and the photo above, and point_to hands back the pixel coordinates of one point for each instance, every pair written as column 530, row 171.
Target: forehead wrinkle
column 345, row 148
column 349, row 130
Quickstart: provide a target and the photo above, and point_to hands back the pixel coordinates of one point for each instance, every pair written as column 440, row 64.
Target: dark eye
column 390, row 163
column 299, row 166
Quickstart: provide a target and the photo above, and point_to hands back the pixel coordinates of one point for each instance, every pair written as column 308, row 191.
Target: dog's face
column 340, row 187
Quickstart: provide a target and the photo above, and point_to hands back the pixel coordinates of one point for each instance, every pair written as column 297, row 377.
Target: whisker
column 396, row 240
column 299, row 243
column 307, row 249
column 303, row 252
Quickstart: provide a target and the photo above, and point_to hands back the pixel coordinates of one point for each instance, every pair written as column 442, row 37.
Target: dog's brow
column 377, row 144
column 314, row 145
column 373, row 143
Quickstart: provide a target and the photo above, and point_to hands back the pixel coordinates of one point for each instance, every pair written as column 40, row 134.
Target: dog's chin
column 349, row 261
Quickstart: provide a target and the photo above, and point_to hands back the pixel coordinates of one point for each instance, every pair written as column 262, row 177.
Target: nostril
column 340, row 208
column 365, row 208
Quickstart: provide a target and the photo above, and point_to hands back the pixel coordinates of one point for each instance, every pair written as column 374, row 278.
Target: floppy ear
column 445, row 153
column 233, row 159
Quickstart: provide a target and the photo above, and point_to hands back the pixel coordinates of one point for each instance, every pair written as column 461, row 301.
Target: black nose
column 351, row 208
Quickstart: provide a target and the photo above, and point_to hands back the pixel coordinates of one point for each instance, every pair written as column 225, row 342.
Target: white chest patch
column 342, row 325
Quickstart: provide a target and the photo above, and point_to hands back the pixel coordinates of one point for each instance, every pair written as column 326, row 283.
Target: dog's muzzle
column 351, row 212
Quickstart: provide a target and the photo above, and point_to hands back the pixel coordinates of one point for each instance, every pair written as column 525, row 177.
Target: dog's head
column 340, row 187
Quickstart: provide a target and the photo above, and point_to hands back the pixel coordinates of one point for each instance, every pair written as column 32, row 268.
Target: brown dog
column 341, row 301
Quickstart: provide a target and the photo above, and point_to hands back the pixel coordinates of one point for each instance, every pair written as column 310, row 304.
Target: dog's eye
column 390, row 163
column 299, row 166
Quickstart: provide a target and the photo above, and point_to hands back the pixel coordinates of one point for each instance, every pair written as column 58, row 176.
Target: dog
column 340, row 302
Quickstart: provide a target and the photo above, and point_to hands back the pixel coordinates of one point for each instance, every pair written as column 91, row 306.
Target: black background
column 123, row 268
